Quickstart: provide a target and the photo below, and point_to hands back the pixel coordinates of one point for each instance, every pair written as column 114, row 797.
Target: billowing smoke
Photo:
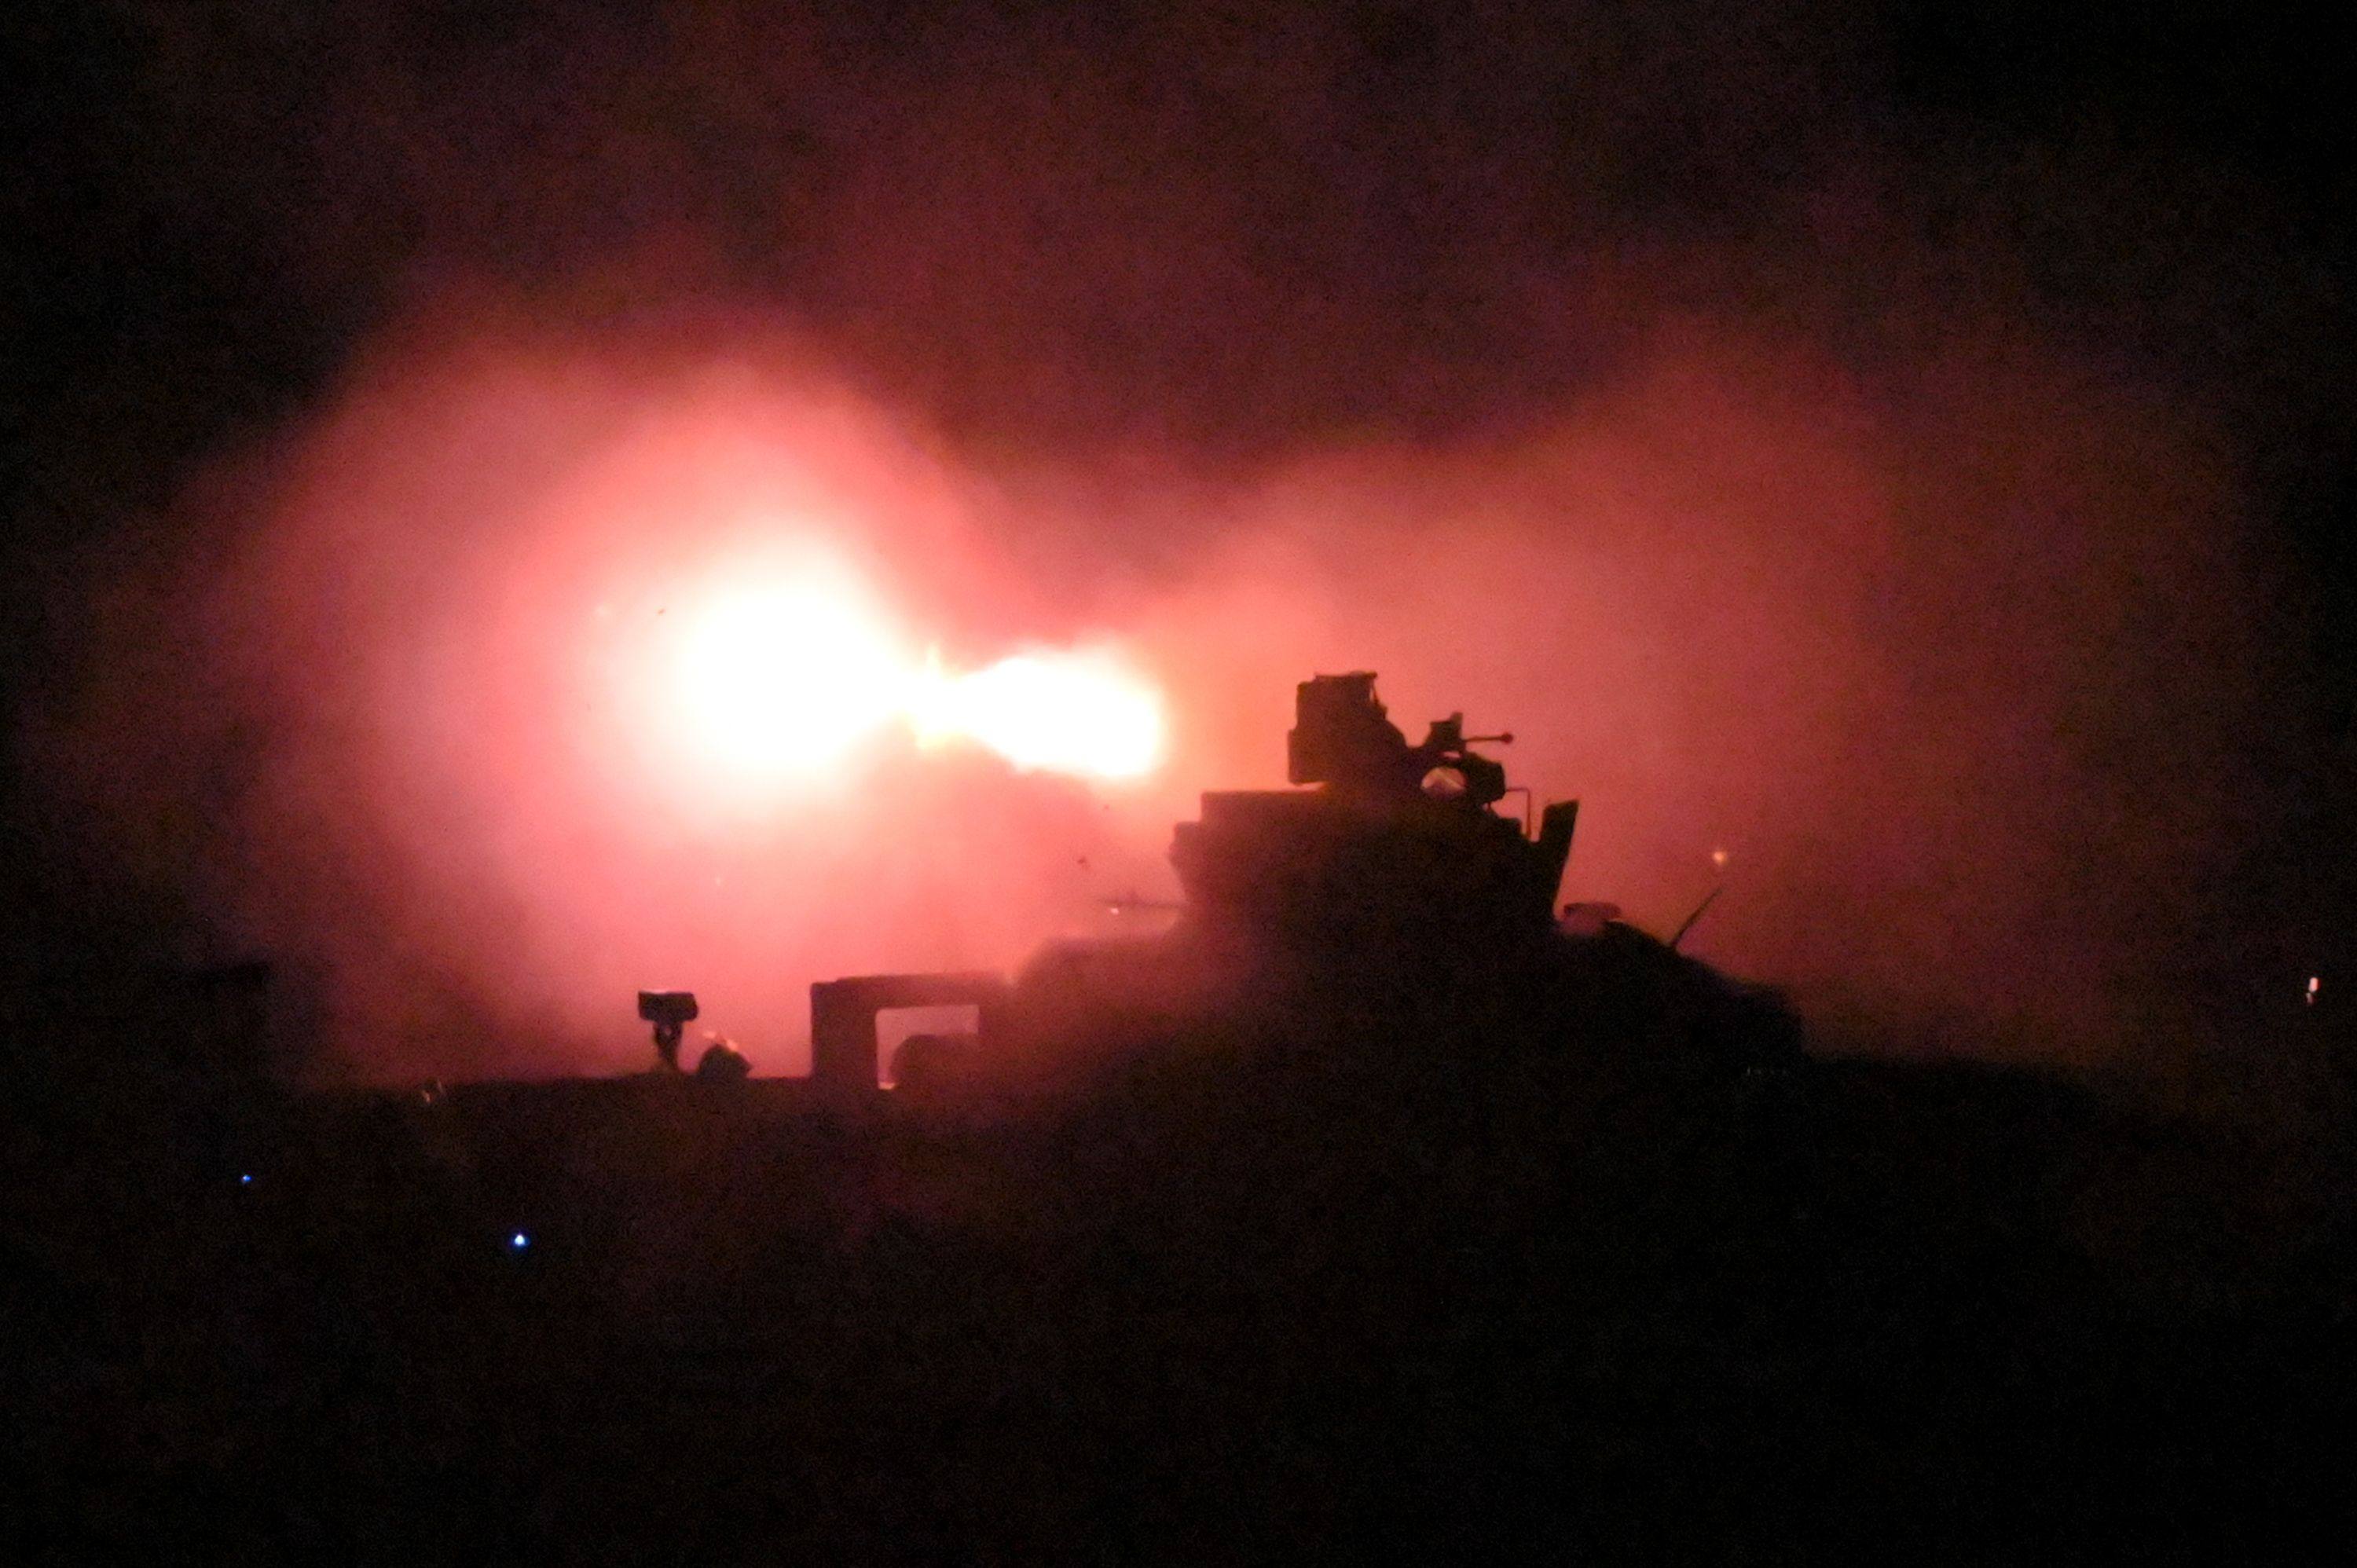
column 1828, row 503
column 1936, row 675
column 476, row 660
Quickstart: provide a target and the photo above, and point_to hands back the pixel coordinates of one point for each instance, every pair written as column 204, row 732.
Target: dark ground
column 1579, row 1290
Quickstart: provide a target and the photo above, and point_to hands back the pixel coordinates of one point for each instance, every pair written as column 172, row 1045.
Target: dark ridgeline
column 1429, row 1226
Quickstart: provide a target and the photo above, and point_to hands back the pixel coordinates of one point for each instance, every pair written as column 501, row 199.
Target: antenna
column 1530, row 804
column 1707, row 900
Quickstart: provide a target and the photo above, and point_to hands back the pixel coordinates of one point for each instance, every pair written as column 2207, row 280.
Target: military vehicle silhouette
column 1383, row 890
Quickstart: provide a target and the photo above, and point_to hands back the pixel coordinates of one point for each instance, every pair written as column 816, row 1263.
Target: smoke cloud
column 1851, row 501
column 1945, row 668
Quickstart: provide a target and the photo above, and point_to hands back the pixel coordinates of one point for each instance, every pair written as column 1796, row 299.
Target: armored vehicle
column 1386, row 879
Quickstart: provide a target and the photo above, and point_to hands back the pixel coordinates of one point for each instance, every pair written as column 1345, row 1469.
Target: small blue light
column 519, row 1240
column 245, row 1178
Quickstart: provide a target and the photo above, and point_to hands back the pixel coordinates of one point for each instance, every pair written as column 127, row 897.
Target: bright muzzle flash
column 783, row 677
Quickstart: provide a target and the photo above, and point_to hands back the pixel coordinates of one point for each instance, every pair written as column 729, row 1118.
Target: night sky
column 1909, row 447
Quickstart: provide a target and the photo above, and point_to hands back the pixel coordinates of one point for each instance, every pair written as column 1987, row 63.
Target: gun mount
column 1389, row 841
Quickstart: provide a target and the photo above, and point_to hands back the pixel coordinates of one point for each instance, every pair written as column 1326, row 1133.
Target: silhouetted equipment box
column 672, row 1008
column 1339, row 728
column 844, row 1048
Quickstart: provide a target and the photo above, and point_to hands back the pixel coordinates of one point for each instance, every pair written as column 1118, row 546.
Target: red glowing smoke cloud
column 1888, row 659
column 574, row 682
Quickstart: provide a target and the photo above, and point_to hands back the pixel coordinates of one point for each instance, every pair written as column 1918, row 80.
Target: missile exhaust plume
column 778, row 678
